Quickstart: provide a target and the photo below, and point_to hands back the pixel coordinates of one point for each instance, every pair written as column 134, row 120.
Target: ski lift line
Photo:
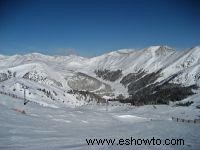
column 15, row 96
column 24, row 87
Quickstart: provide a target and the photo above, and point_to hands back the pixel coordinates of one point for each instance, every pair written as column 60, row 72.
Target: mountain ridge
column 104, row 74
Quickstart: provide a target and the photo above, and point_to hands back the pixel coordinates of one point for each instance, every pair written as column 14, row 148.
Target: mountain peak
column 161, row 50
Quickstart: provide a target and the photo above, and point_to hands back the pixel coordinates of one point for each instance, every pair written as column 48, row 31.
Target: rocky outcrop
column 41, row 78
column 34, row 76
column 3, row 77
column 7, row 75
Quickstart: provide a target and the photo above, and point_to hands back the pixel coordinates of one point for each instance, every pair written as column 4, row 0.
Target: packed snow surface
column 68, row 128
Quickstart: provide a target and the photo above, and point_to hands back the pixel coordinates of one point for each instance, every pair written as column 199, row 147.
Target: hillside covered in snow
column 152, row 75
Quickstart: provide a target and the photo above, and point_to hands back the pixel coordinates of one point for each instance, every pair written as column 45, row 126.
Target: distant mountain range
column 153, row 75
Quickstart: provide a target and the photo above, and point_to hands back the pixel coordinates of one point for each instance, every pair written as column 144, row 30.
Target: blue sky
column 93, row 27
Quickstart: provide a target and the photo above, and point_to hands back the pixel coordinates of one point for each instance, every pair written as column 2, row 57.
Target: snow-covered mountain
column 144, row 75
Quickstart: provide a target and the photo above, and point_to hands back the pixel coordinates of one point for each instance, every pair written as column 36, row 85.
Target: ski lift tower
column 25, row 100
column 107, row 99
